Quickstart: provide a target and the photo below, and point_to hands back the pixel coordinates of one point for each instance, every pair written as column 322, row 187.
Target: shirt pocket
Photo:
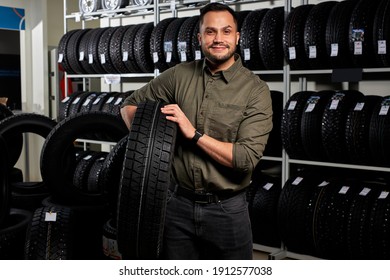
column 224, row 121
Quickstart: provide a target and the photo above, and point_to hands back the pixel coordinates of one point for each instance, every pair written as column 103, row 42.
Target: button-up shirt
column 233, row 106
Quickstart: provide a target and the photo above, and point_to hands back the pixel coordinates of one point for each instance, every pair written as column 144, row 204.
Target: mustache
column 219, row 45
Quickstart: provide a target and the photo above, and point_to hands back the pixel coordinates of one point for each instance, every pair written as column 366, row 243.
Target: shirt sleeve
column 254, row 130
column 160, row 88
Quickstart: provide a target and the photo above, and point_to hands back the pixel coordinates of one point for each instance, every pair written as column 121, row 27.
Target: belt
column 201, row 196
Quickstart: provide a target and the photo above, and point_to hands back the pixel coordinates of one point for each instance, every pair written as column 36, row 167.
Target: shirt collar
column 229, row 73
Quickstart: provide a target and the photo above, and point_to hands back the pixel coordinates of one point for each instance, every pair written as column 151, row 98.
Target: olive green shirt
column 231, row 106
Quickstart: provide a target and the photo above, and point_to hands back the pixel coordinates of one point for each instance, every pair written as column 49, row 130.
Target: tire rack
column 286, row 75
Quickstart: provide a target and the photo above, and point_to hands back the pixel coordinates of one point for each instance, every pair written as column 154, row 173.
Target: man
column 224, row 115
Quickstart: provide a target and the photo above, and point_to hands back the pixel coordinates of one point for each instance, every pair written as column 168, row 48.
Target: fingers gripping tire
column 145, row 179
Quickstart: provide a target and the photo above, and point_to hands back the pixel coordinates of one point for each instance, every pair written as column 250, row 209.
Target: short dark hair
column 216, row 7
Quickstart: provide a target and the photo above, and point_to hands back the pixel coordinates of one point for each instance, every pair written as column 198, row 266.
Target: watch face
column 87, row 6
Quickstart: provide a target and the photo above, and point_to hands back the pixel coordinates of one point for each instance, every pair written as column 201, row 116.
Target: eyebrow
column 214, row 28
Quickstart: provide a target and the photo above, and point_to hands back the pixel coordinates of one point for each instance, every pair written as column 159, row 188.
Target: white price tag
column 358, row 48
column 292, row 105
column 81, row 57
column 125, row 56
column 183, row 56
column 312, row 51
column 168, row 57
column 110, row 100
column 359, row 106
column 344, row 190
column 364, row 191
column 198, row 55
column 382, row 47
column 334, row 104
column 86, row 102
column 247, row 54
column 112, row 79
column 310, row 107
column 334, row 50
column 88, row 157
column 96, row 101
column 292, row 54
column 297, row 181
column 155, row 57
column 60, row 57
column 384, row 110
column 383, row 195
column 173, row 5
column 76, row 100
column 90, row 58
column 77, row 17
column 65, row 99
column 50, row 217
column 268, row 186
column 323, row 184
column 118, row 101
column 102, row 58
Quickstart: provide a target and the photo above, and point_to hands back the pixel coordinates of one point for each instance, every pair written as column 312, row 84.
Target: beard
column 219, row 58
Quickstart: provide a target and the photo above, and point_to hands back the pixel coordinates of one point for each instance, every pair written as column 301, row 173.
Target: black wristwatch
column 196, row 137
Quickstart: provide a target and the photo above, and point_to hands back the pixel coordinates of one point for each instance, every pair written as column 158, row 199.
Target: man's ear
column 238, row 38
column 199, row 39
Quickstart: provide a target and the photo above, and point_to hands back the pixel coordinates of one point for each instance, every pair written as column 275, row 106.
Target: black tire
column 28, row 195
column 58, row 153
column 362, row 19
column 62, row 51
column 184, row 39
column 73, row 51
column 315, row 28
column 13, row 127
column 76, row 103
column 311, row 124
column 379, row 135
column 110, row 242
column 157, row 44
column 4, row 112
column 93, row 176
column 263, row 210
column 13, row 235
column 357, row 130
column 271, row 39
column 110, row 176
column 83, row 51
column 293, row 37
column 337, row 32
column 170, row 38
column 381, row 32
column 115, row 49
column 48, row 239
column 104, row 50
column 142, row 48
column 291, row 124
column 65, row 104
column 145, row 180
column 333, row 124
column 249, row 39
column 93, row 50
column 127, row 47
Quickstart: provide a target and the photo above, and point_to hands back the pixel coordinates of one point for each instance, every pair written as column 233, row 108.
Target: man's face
column 218, row 37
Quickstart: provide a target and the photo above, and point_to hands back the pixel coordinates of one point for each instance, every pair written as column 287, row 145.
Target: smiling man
column 224, row 115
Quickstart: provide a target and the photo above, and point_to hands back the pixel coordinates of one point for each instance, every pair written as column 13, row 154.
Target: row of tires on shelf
column 86, row 101
column 342, row 126
column 322, row 213
column 331, row 34
column 86, row 196
column 351, row 33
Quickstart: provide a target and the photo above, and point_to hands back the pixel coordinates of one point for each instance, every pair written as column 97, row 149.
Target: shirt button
column 206, row 96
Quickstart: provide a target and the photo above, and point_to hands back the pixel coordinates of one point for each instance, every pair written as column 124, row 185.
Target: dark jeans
column 219, row 230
